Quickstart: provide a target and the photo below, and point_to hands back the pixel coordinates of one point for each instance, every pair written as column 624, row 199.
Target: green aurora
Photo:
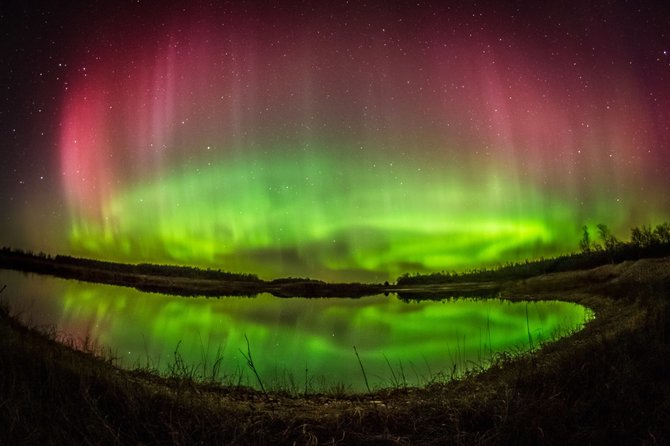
column 300, row 212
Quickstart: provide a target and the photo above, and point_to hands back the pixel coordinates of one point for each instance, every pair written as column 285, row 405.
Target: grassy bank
column 608, row 384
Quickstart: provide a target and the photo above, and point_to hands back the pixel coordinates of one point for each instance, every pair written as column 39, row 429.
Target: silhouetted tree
column 662, row 233
column 642, row 237
column 609, row 241
column 585, row 242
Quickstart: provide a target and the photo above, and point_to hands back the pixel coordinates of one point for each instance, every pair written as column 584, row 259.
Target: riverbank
column 607, row 384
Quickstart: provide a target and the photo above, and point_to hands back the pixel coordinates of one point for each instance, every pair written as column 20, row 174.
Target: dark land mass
column 617, row 252
column 177, row 280
column 190, row 281
column 606, row 384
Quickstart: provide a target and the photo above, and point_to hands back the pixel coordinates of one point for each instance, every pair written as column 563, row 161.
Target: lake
column 296, row 344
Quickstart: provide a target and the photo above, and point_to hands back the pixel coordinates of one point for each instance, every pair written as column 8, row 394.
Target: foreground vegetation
column 607, row 384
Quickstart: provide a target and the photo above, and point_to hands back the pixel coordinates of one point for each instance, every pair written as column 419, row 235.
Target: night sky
column 356, row 142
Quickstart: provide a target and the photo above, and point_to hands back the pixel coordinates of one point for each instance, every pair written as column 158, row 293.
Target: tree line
column 645, row 241
column 640, row 237
column 44, row 263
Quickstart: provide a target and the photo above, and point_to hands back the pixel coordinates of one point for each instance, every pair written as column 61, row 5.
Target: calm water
column 296, row 344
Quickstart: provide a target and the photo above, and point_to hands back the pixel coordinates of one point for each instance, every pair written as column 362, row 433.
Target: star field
column 350, row 142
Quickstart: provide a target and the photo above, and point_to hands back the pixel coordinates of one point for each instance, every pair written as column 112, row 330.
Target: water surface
column 296, row 344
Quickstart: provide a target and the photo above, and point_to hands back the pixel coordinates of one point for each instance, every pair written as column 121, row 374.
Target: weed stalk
column 252, row 366
column 365, row 376
column 530, row 337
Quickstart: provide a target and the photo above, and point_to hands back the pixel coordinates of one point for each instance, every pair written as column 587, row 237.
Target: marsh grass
column 365, row 375
column 398, row 379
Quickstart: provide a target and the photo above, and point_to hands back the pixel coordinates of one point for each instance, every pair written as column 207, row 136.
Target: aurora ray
column 346, row 146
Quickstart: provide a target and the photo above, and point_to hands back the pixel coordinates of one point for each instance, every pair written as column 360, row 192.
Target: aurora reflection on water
column 287, row 336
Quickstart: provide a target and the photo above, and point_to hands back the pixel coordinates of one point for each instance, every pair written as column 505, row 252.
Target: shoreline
column 133, row 276
column 176, row 280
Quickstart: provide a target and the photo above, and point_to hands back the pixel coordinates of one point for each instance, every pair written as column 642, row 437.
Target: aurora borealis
column 342, row 143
